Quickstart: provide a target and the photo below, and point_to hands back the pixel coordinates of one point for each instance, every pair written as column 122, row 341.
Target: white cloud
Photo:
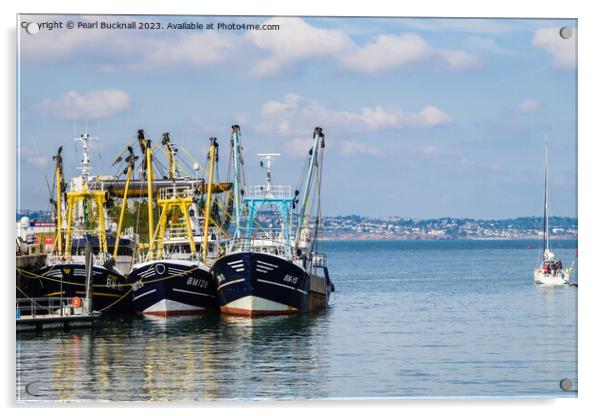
column 296, row 114
column 134, row 50
column 263, row 52
column 290, row 102
column 95, row 104
column 528, row 105
column 390, row 52
column 193, row 50
column 485, row 26
column 457, row 60
column 485, row 44
column 380, row 117
column 296, row 40
column 61, row 44
column 563, row 51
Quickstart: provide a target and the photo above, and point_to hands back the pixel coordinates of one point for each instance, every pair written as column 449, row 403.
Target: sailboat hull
column 172, row 287
column 257, row 284
column 548, row 279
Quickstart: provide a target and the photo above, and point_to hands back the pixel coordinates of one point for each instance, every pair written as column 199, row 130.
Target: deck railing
column 99, row 259
column 261, row 191
column 269, row 245
column 177, row 192
column 59, row 306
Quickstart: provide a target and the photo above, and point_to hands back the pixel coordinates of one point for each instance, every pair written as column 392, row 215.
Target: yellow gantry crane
column 80, row 197
column 174, row 202
column 212, row 157
column 130, row 160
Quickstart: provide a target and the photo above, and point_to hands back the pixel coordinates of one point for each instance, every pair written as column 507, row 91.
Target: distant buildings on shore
column 355, row 227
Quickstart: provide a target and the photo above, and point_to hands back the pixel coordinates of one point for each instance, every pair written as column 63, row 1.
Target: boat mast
column 84, row 139
column 146, row 145
column 85, row 174
column 212, row 155
column 83, row 196
column 236, row 151
column 130, row 160
column 266, row 163
column 546, row 244
column 59, row 193
column 311, row 167
column 171, row 155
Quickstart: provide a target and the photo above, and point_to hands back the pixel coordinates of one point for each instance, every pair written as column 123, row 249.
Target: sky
column 423, row 117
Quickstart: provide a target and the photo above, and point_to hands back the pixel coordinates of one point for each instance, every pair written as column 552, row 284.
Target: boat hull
column 257, row 284
column 172, row 287
column 549, row 279
column 69, row 280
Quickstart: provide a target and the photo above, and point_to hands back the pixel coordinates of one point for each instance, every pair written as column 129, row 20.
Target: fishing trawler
column 81, row 218
column 275, row 263
column 173, row 277
column 550, row 272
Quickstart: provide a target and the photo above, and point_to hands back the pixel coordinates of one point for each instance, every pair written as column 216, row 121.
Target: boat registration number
column 201, row 283
column 291, row 279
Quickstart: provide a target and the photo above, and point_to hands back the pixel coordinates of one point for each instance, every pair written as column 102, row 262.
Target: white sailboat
column 550, row 272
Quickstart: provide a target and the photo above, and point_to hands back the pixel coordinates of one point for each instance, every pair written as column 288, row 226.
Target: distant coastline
column 380, row 238
column 354, row 227
column 395, row 228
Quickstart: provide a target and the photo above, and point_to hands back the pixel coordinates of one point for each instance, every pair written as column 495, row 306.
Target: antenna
column 266, row 163
column 84, row 140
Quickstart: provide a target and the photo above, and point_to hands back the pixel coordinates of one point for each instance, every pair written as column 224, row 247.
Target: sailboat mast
column 545, row 205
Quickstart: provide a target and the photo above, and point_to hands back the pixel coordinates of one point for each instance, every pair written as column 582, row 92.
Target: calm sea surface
column 408, row 319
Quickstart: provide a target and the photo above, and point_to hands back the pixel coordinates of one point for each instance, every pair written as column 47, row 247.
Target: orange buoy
column 76, row 302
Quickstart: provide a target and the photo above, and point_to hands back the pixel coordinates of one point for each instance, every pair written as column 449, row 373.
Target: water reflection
column 185, row 358
column 442, row 327
column 279, row 357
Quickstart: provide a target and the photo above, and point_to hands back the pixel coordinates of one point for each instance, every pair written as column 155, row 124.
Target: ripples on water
column 408, row 319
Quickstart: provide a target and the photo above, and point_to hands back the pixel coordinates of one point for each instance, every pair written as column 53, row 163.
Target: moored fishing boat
column 275, row 264
column 173, row 276
column 81, row 218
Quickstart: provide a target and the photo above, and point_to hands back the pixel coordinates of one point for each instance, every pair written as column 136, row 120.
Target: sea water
column 408, row 319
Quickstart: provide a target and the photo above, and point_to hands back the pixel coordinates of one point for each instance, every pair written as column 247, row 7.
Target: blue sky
column 423, row 117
